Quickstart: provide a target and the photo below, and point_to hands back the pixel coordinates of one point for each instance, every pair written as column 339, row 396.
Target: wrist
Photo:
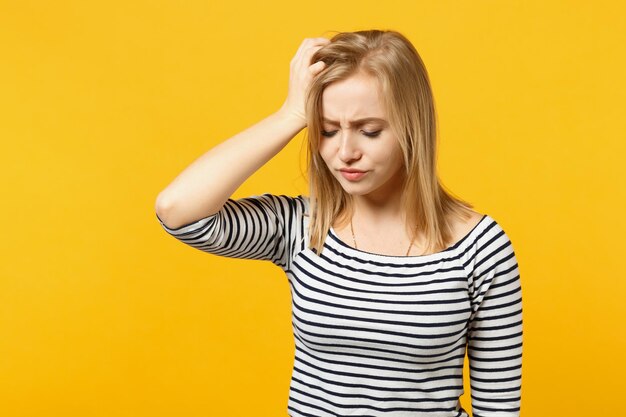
column 292, row 117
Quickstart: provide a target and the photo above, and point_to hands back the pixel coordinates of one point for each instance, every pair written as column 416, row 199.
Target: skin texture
column 379, row 220
column 347, row 145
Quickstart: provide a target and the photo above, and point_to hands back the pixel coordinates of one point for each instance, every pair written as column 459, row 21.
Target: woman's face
column 367, row 146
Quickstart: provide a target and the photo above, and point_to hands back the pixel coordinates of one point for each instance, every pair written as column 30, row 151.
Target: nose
column 348, row 147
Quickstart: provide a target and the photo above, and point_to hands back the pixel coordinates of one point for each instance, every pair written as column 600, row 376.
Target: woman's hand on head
column 301, row 73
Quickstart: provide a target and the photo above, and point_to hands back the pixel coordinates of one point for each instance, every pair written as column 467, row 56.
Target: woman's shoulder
column 462, row 226
column 293, row 205
column 483, row 228
column 283, row 198
column 280, row 204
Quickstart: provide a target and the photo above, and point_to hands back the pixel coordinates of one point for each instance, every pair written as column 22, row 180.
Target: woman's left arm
column 260, row 227
column 495, row 329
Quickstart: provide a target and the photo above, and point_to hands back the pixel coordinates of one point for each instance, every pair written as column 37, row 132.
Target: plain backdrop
column 103, row 103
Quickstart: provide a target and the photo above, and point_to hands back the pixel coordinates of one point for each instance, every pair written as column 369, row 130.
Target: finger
column 304, row 60
column 318, row 42
column 303, row 45
column 307, row 49
column 317, row 67
column 311, row 50
column 314, row 42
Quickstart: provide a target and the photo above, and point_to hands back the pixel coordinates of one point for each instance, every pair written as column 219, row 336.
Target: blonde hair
column 407, row 98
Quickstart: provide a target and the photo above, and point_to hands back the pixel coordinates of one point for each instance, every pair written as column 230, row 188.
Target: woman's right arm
column 205, row 185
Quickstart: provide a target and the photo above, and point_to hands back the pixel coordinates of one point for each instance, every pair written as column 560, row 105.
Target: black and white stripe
column 384, row 335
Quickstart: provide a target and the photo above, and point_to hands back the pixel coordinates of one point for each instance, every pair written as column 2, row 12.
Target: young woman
column 393, row 280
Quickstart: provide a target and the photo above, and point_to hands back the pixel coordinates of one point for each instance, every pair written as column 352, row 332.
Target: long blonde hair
column 408, row 101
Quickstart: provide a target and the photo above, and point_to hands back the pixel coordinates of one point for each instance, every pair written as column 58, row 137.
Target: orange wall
column 104, row 103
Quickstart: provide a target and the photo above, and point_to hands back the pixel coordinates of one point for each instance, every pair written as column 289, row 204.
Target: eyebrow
column 357, row 122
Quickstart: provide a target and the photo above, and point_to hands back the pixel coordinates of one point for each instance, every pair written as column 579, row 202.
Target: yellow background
column 103, row 103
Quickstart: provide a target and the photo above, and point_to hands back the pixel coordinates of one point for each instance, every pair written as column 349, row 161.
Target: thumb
column 317, row 67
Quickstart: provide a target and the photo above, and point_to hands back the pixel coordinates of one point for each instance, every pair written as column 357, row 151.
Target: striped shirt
column 384, row 335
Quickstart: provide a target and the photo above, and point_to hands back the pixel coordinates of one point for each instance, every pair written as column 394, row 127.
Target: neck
column 376, row 212
column 381, row 208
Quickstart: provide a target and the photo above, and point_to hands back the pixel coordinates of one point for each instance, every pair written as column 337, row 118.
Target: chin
column 355, row 189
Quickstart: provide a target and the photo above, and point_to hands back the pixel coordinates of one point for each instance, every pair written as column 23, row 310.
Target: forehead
column 354, row 98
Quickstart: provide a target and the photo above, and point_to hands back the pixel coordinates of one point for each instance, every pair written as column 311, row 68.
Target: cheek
column 324, row 151
column 323, row 155
column 392, row 157
column 382, row 154
column 398, row 161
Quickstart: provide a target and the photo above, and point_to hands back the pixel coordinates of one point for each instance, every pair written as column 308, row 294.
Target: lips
column 352, row 174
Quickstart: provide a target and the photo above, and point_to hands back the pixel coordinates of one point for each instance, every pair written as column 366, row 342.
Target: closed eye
column 369, row 134
column 372, row 134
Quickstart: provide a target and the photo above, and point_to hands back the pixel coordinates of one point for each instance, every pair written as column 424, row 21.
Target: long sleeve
column 261, row 227
column 495, row 327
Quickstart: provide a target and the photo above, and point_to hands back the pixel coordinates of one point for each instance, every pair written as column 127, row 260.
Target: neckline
column 380, row 255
